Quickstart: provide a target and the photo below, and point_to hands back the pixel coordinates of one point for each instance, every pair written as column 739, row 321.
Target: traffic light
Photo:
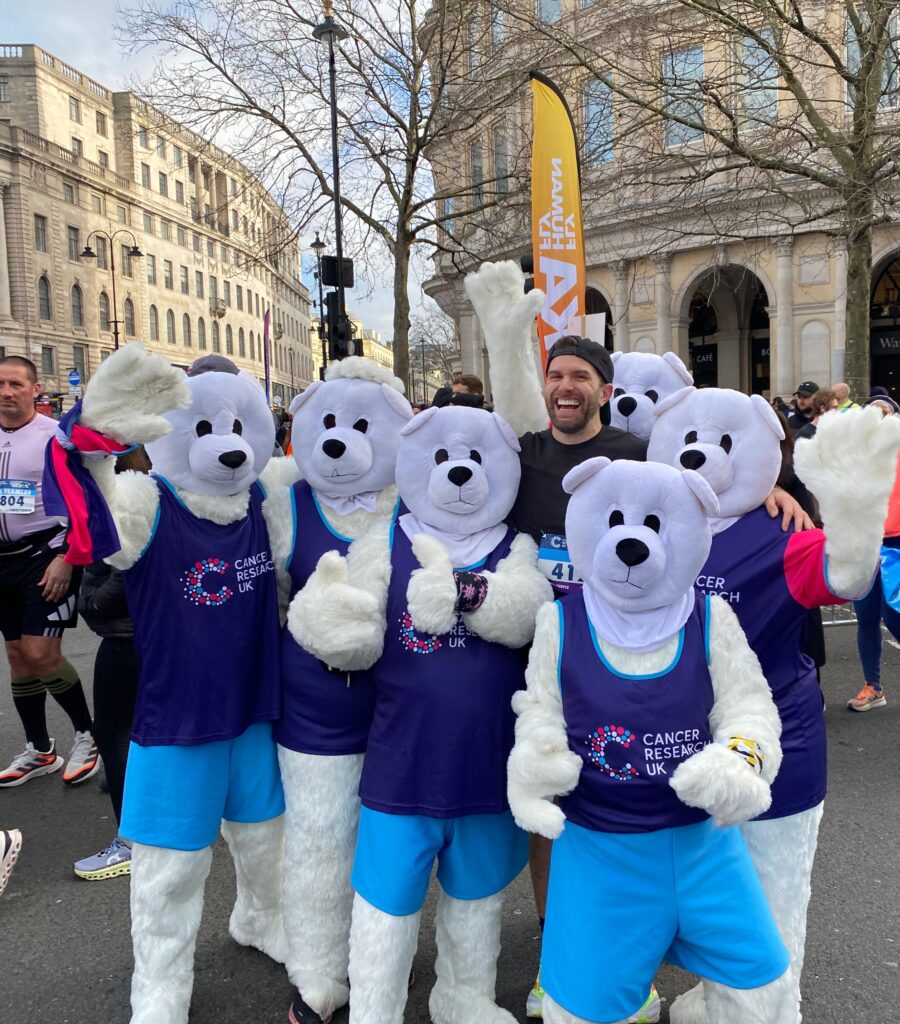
column 339, row 330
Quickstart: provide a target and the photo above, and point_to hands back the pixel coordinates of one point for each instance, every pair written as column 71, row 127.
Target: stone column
column 784, row 370
column 663, row 304
column 5, row 301
column 622, row 272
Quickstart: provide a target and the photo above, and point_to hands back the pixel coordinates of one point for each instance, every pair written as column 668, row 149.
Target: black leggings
column 116, row 671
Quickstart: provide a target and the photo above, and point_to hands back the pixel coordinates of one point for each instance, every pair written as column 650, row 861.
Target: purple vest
column 323, row 712
column 746, row 567
column 205, row 611
column 631, row 732
column 443, row 725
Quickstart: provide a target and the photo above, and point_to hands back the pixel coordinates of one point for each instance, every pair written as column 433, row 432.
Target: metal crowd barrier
column 838, row 615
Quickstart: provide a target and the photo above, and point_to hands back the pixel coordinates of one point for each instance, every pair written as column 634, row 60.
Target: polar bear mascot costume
column 201, row 588
column 433, row 785
column 770, row 579
column 643, row 380
column 647, row 712
column 330, row 534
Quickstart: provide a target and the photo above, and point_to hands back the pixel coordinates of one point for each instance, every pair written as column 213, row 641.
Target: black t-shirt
column 541, row 503
column 797, row 420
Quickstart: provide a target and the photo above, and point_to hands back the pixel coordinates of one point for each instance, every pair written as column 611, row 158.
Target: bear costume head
column 732, row 440
column 346, row 428
column 642, row 381
column 637, row 531
column 458, row 469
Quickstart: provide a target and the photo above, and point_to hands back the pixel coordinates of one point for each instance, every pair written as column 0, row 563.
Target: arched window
column 186, row 330
column 252, row 347
column 201, row 333
column 103, row 311
column 215, row 336
column 77, row 307
column 229, row 341
column 130, row 332
column 242, row 347
column 170, row 327
column 44, row 309
column 154, row 323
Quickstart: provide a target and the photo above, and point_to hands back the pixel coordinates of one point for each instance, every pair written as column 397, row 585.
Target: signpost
column 74, row 383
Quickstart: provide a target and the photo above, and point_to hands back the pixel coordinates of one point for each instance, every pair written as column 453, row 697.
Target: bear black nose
column 333, row 448
column 627, row 405
column 692, row 459
column 459, row 475
column 632, row 551
column 233, row 459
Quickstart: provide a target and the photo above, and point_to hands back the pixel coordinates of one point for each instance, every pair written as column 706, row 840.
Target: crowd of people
column 41, row 595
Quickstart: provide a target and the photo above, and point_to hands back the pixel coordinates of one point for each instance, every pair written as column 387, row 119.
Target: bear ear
column 584, row 471
column 704, row 494
column 251, row 379
column 615, row 356
column 673, row 399
column 418, row 421
column 678, row 366
column 767, row 415
column 507, row 432
column 396, row 401
column 303, row 397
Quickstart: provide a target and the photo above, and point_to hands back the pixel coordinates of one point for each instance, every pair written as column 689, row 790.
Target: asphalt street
column 67, row 951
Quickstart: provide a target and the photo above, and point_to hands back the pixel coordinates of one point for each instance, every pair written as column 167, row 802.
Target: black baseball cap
column 807, row 388
column 590, row 351
column 211, row 364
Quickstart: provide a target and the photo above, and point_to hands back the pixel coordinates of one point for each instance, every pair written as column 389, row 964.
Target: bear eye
column 690, row 437
column 725, row 443
column 475, row 456
column 652, row 395
column 329, row 421
column 237, row 427
column 652, row 522
column 616, row 518
column 203, row 428
column 441, row 455
column 361, row 425
column 618, row 391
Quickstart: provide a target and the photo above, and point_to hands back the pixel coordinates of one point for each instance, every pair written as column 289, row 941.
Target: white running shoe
column 30, row 764
column 10, row 845
column 84, row 759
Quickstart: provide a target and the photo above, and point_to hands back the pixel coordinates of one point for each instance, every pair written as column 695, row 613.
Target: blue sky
column 81, row 32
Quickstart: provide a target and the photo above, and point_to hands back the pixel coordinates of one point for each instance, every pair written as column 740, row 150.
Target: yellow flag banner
column 556, row 227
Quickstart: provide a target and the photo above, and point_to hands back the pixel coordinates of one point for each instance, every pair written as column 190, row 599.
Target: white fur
column 257, row 919
column 216, row 508
column 279, row 471
column 321, row 817
column 360, row 368
column 506, row 315
column 277, row 513
column 556, row 1014
column 164, row 942
column 382, row 948
column 431, row 591
column 541, row 765
column 133, row 501
column 850, row 466
column 642, row 380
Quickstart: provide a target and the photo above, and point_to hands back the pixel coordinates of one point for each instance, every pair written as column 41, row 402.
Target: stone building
column 81, row 165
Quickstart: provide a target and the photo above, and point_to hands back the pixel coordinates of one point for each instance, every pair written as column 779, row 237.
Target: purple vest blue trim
column 746, row 568
column 205, row 609
column 631, row 732
column 443, row 725
column 323, row 712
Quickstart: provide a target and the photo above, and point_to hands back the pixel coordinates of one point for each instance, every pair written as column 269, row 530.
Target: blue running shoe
column 114, row 860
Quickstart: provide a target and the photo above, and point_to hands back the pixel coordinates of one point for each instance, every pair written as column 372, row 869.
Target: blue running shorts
column 176, row 797
column 477, row 854
column 620, row 904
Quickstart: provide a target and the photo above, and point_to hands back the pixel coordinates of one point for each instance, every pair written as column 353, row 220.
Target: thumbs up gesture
column 431, row 592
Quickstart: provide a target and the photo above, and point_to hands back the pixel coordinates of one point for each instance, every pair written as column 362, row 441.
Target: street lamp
column 87, row 253
column 318, row 247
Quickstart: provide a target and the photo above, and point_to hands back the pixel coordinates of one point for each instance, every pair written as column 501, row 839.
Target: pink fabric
column 804, row 570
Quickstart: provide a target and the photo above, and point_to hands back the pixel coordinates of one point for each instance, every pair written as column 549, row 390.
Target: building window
column 103, row 311
column 163, row 184
column 103, row 159
column 198, row 283
column 40, row 233
column 151, row 269
column 242, row 344
column 196, row 241
column 496, row 31
column 213, row 289
column 890, row 69
column 184, row 280
column 179, row 192
column 234, row 220
column 257, row 304
column 122, row 212
column 186, row 331
column 75, row 109
column 598, row 123
column 682, row 77
column 69, row 192
column 77, row 307
column 757, row 81
column 77, row 147
column 4, row 88
column 477, row 171
column 102, row 252
column 45, row 310
column 232, row 186
column 47, row 360
column 170, row 327
column 164, row 231
column 192, row 171
column 78, row 359
column 148, row 223
column 72, row 243
column 226, row 292
column 214, row 330
column 154, row 323
column 229, row 341
column 252, row 347
column 182, row 236
column 472, row 34
column 201, row 333
column 210, row 248
column 239, row 296
column 101, row 124
column 177, row 156
column 223, row 253
column 549, row 10
column 127, row 266
column 128, row 316
column 145, row 175
column 501, row 162
column 143, row 138
column 160, row 147
column 168, row 281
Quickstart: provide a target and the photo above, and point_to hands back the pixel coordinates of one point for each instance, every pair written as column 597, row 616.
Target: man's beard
column 588, row 412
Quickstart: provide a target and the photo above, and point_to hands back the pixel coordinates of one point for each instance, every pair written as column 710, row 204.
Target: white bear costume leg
column 257, row 920
column 783, row 851
column 555, row 1014
column 321, row 818
column 166, row 905
column 382, row 948
column 468, row 944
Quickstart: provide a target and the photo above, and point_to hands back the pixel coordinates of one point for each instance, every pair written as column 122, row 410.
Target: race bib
column 17, row 497
column 555, row 564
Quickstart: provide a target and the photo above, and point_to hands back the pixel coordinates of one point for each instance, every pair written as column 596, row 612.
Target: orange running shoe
column 867, row 699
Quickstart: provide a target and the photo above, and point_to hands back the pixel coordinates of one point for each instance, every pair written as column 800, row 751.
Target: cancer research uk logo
column 246, row 570
column 661, row 752
column 600, row 739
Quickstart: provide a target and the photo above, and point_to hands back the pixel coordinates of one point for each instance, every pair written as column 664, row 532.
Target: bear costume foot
column 382, row 948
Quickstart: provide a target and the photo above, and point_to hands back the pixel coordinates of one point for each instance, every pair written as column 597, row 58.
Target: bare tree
column 410, row 82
